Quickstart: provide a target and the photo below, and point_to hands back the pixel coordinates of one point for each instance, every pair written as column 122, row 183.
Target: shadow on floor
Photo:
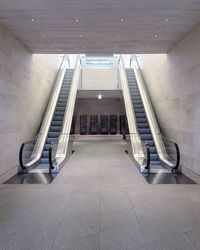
column 34, row 178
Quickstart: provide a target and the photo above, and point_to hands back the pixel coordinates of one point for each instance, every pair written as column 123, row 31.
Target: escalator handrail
column 50, row 151
column 21, row 151
column 20, row 156
column 148, row 157
column 177, row 151
column 51, row 167
column 34, row 138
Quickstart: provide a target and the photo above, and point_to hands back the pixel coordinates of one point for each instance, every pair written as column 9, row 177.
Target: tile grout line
column 132, row 207
column 99, row 205
column 185, row 233
column 65, row 209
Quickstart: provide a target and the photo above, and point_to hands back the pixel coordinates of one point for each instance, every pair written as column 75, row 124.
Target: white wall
column 99, row 79
column 173, row 82
column 25, row 84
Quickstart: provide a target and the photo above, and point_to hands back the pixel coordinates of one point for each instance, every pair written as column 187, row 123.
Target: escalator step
column 153, row 157
column 59, row 113
column 55, row 128
column 146, row 137
column 61, row 101
column 45, row 154
column 139, row 110
column 63, row 96
column 50, row 140
column 143, row 125
column 138, row 106
column 56, row 123
column 144, row 130
column 155, row 162
column 134, row 98
column 152, row 150
column 61, row 105
column 60, row 109
column 134, row 92
column 44, row 160
column 65, row 90
column 140, row 115
column 46, row 146
column 150, row 142
column 137, row 102
column 57, row 118
column 53, row 134
column 141, row 120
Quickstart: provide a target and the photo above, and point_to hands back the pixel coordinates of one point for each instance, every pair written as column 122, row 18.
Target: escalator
column 141, row 119
column 57, row 121
column 42, row 157
column 35, row 154
column 147, row 147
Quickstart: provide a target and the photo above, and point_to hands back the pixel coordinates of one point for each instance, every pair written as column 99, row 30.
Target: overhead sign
column 99, row 62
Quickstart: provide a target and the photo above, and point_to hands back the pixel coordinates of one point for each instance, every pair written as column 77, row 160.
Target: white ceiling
column 100, row 24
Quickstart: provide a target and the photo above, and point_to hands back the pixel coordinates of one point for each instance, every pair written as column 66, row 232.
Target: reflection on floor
column 160, row 178
column 99, row 201
column 36, row 178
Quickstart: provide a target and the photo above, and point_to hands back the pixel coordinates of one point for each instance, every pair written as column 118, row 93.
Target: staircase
column 142, row 122
column 57, row 120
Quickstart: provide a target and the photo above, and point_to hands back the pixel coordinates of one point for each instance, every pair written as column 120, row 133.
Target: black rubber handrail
column 177, row 152
column 20, row 157
column 21, row 152
column 51, row 166
column 148, row 157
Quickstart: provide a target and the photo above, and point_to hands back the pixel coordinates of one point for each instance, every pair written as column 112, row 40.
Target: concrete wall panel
column 25, row 84
column 173, row 82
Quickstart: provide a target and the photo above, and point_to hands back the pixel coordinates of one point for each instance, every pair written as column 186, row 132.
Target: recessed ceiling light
column 51, row 47
column 122, row 20
column 33, row 19
column 77, row 20
column 81, row 36
column 155, row 35
column 99, row 96
column 43, row 35
column 166, row 19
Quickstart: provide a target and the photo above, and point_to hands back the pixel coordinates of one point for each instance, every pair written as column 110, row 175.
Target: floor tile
column 90, row 242
column 159, row 228
column 121, row 218
column 99, row 201
column 172, row 243
column 118, row 238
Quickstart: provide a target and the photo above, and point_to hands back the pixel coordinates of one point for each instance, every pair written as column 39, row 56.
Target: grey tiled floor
column 100, row 201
